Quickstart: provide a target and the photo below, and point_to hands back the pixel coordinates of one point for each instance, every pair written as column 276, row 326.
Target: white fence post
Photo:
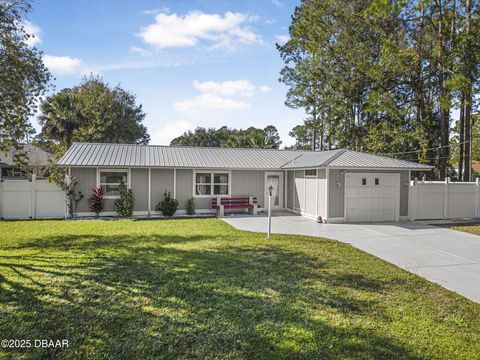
column 445, row 198
column 413, row 200
column 67, row 214
column 33, row 195
column 477, row 184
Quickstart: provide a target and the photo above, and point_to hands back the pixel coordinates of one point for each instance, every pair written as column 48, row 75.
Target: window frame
column 311, row 176
column 212, row 183
column 129, row 180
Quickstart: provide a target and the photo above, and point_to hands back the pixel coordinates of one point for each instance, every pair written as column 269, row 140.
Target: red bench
column 222, row 203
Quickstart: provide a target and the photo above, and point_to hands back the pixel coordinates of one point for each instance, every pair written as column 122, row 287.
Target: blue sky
column 190, row 63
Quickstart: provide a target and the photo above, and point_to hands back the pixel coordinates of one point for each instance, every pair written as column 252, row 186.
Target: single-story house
column 36, row 163
column 338, row 185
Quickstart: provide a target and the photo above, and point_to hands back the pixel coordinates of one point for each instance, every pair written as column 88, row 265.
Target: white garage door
column 371, row 197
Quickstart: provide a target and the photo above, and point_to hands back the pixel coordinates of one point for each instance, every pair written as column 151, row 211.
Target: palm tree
column 60, row 117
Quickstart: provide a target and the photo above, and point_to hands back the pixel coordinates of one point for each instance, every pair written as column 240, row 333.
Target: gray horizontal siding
column 243, row 183
column 185, row 190
column 249, row 183
column 139, row 185
column 290, row 189
column 298, row 196
column 87, row 180
column 322, row 196
column 162, row 180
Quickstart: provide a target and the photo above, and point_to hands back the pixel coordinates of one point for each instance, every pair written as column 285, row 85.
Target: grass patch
column 201, row 289
column 472, row 229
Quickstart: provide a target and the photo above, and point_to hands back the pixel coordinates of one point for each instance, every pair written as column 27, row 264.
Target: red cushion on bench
column 234, row 203
column 237, row 206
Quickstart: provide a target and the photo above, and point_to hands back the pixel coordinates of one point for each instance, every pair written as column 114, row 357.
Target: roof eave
column 426, row 167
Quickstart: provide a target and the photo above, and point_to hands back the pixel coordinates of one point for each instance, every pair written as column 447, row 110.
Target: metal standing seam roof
column 129, row 155
column 354, row 159
column 312, row 159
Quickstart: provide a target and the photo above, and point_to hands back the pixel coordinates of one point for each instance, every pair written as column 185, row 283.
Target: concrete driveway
column 447, row 257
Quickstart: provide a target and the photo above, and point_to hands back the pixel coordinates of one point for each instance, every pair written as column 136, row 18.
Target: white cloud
column 34, row 32
column 139, row 50
column 207, row 102
column 282, row 39
column 221, row 31
column 63, row 65
column 265, row 88
column 226, row 88
column 155, row 11
column 277, row 3
column 166, row 134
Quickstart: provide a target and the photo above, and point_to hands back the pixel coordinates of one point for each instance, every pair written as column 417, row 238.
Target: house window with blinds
column 110, row 180
column 212, row 184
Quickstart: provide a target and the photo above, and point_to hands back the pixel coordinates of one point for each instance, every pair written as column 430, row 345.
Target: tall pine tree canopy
column 383, row 76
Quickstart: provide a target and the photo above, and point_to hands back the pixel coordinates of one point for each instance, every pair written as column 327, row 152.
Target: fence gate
column 34, row 199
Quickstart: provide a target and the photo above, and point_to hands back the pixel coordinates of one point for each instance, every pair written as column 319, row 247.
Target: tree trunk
column 442, row 93
column 462, row 138
column 468, row 136
column 418, row 83
column 314, row 128
column 468, row 93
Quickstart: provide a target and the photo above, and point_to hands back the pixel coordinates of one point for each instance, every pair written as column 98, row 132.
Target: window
column 377, row 181
column 109, row 180
column 211, row 183
column 364, row 181
column 12, row 172
column 311, row 172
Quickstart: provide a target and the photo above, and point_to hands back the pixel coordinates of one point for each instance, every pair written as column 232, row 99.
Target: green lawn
column 472, row 229
column 201, row 289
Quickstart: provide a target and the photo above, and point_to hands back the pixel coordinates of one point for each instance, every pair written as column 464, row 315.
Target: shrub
column 96, row 201
column 72, row 195
column 124, row 205
column 168, row 206
column 69, row 188
column 191, row 206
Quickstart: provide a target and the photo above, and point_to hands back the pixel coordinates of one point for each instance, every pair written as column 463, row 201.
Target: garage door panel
column 353, row 180
column 354, row 193
column 377, row 203
column 371, row 202
column 388, row 203
column 389, row 192
column 354, row 203
column 357, row 215
column 386, row 180
column 377, row 192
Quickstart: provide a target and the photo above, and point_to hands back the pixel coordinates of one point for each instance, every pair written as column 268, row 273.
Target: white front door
column 275, row 179
column 372, row 197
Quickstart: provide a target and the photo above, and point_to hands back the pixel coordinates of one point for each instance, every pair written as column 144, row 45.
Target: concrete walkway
column 448, row 257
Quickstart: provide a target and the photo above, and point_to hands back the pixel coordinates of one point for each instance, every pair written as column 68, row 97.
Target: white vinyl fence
column 430, row 200
column 35, row 199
